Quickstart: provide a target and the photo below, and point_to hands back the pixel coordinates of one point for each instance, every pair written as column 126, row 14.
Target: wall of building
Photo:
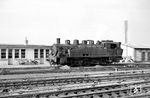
column 142, row 55
column 30, row 54
column 128, row 53
column 137, row 55
column 16, row 56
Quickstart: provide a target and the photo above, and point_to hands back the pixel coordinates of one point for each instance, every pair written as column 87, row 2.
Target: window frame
column 3, row 53
column 23, row 53
column 41, row 53
column 143, row 56
column 16, row 53
column 36, row 53
column 10, row 53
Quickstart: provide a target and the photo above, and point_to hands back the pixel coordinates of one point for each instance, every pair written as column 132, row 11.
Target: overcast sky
column 42, row 21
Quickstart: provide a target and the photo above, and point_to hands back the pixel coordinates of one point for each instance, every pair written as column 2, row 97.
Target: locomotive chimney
column 98, row 42
column 58, row 40
column 67, row 42
column 91, row 42
column 84, row 42
column 76, row 42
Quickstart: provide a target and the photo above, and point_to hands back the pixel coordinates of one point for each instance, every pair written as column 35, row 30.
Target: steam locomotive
column 86, row 53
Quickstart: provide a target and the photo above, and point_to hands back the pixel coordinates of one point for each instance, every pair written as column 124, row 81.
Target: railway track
column 48, row 69
column 94, row 84
column 114, row 89
column 11, row 71
column 73, row 79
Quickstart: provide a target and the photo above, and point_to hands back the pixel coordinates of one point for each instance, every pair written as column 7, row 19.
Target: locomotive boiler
column 86, row 53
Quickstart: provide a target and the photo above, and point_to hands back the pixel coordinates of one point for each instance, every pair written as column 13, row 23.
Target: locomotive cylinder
column 58, row 40
column 76, row 42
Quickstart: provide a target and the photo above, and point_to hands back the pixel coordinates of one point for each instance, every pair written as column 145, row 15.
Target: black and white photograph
column 74, row 49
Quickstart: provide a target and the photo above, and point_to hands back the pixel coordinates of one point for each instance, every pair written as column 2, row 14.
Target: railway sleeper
column 70, row 81
column 36, row 84
column 101, row 92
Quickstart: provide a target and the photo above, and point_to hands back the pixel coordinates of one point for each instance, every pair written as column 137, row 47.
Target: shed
column 139, row 53
column 142, row 54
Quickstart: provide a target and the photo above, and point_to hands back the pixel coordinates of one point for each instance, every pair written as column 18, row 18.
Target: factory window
column 23, row 52
column 143, row 56
column 47, row 53
column 41, row 53
column 3, row 53
column 148, row 56
column 10, row 53
column 16, row 53
column 35, row 53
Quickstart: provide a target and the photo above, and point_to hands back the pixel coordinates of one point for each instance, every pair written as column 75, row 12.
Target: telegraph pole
column 26, row 41
column 126, row 35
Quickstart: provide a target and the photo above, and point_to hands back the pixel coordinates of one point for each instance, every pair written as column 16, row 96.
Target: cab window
column 113, row 46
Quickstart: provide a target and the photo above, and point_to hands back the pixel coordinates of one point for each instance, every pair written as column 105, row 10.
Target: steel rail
column 79, row 75
column 71, row 80
column 64, row 92
column 72, row 74
column 120, row 66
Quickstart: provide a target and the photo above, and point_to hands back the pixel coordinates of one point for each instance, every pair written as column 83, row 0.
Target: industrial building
column 137, row 53
column 20, row 54
column 142, row 54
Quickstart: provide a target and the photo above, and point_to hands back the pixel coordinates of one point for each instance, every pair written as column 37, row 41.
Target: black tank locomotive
column 86, row 53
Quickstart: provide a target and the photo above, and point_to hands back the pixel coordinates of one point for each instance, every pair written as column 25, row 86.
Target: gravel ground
column 24, row 66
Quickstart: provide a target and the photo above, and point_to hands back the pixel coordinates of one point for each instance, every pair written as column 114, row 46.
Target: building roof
column 23, row 46
column 137, row 46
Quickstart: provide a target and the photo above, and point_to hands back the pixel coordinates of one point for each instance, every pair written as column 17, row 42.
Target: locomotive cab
column 114, row 51
column 110, row 45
